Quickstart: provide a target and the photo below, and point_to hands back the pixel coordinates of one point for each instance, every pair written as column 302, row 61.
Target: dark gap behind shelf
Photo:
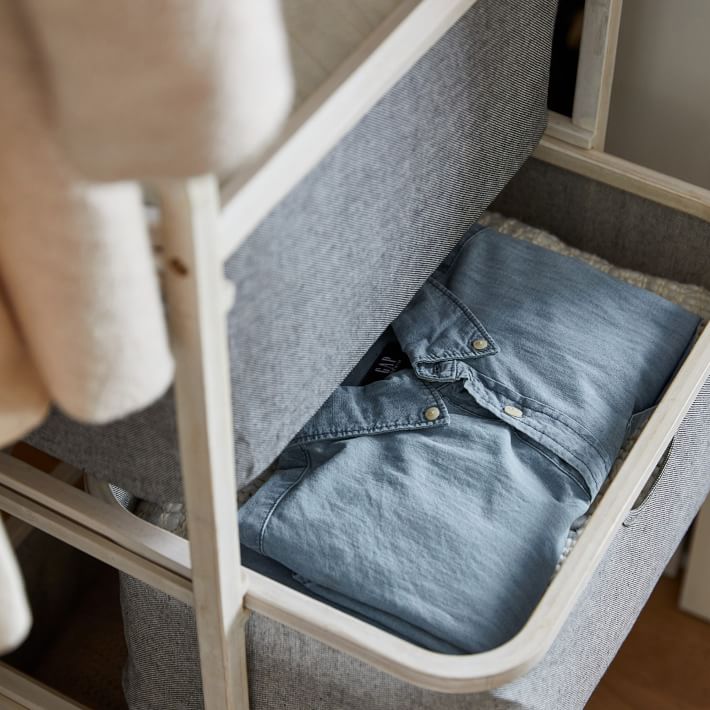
column 565, row 56
column 76, row 645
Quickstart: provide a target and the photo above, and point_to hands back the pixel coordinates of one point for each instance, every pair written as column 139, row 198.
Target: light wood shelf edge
column 562, row 128
column 94, row 544
column 595, row 72
column 108, row 521
column 627, row 176
column 20, row 691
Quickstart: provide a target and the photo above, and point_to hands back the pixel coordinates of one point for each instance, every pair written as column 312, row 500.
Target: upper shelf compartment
column 346, row 55
column 597, row 36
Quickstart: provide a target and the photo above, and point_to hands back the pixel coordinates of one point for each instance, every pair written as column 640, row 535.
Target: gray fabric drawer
column 289, row 670
column 344, row 252
column 626, row 229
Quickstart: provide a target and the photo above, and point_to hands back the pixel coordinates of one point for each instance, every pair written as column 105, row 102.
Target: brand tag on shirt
column 391, row 359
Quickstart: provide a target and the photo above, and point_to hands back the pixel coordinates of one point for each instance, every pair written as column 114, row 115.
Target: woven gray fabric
column 344, row 252
column 631, row 231
column 289, row 671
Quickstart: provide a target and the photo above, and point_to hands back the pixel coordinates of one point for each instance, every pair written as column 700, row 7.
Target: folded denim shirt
column 436, row 501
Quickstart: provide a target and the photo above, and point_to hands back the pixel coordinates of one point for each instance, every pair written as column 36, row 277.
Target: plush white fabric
column 15, row 616
column 106, row 90
column 75, row 260
column 166, row 87
column 23, row 398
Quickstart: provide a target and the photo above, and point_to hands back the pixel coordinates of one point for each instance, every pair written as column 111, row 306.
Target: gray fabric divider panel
column 289, row 670
column 344, row 252
column 628, row 230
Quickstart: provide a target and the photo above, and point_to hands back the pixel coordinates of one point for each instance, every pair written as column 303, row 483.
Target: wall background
column 660, row 103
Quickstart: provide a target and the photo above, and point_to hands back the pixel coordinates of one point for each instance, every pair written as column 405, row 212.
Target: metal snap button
column 512, row 411
column 431, row 414
column 479, row 344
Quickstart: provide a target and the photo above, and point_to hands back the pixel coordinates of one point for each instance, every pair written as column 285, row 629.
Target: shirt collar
column 437, row 330
column 400, row 402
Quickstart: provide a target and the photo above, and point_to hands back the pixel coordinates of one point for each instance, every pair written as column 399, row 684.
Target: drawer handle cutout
column 650, row 486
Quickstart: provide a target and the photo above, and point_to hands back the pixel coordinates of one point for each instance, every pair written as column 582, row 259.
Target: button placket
column 513, row 411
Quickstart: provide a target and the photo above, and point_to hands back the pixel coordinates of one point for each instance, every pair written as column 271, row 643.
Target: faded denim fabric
column 436, row 501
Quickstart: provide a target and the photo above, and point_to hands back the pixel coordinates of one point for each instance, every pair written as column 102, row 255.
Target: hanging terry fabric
column 75, row 262
column 109, row 91
column 170, row 88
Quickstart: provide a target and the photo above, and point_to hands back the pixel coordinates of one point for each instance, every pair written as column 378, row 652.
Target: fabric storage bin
column 292, row 670
column 285, row 665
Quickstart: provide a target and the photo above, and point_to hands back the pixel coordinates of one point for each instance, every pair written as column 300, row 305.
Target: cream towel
column 80, row 314
column 99, row 89
column 75, row 261
column 15, row 616
column 166, row 87
column 23, row 399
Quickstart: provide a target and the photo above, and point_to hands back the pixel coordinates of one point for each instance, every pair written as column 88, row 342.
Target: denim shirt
column 436, row 501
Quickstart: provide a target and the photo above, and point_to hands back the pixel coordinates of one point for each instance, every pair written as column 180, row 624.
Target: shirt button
column 431, row 414
column 512, row 411
column 479, row 344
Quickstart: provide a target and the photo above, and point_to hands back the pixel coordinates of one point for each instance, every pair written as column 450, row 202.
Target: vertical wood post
column 195, row 288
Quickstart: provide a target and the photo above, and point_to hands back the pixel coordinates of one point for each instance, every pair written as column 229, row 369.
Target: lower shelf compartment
column 80, row 651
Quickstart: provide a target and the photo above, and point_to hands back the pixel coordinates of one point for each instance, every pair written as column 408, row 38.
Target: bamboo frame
column 627, row 176
column 198, row 234
column 195, row 288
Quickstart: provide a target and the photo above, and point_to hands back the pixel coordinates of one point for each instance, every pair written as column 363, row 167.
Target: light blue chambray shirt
column 436, row 501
